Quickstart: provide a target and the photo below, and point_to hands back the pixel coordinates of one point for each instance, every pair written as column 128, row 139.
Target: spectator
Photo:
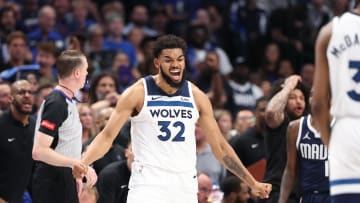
column 87, row 121
column 244, row 120
column 63, row 16
column 40, row 95
column 241, row 93
column 88, row 195
column 204, row 187
column 114, row 40
column 46, row 30
column 125, row 73
column 224, row 120
column 117, row 151
column 5, row 96
column 139, row 18
column 210, row 79
column 46, row 58
column 16, row 142
column 135, row 37
column 286, row 68
column 289, row 101
column 17, row 48
column 199, row 45
column 7, row 26
column 249, row 145
column 103, row 92
column 147, row 66
column 307, row 74
column 270, row 64
column 80, row 22
column 114, row 180
column 235, row 191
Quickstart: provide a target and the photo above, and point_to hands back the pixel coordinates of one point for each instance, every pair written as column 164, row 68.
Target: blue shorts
column 316, row 198
column 348, row 198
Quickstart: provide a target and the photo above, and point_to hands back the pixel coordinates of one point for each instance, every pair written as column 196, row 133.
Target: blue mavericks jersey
column 312, row 158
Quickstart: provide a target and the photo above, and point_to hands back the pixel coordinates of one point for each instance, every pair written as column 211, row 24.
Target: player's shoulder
column 195, row 89
column 294, row 125
column 325, row 32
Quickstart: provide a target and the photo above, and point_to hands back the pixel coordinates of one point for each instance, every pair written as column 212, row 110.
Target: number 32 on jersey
column 168, row 128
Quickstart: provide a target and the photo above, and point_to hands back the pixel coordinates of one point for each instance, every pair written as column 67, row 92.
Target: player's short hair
column 168, row 42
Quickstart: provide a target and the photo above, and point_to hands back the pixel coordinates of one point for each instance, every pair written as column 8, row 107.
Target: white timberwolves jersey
column 163, row 133
column 343, row 55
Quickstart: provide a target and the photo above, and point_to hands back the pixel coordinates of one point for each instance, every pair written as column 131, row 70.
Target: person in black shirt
column 114, row 179
column 289, row 101
column 249, row 146
column 57, row 142
column 16, row 142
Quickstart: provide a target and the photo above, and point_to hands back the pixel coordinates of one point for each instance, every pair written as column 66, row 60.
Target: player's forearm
column 321, row 117
column 51, row 157
column 287, row 185
column 228, row 157
column 97, row 149
column 275, row 108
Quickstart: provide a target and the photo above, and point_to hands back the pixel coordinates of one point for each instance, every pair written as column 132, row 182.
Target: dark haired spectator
column 288, row 101
column 101, row 86
column 139, row 18
column 235, row 191
column 18, row 52
column 29, row 14
column 80, row 17
column 307, row 74
column 198, row 45
column 210, row 80
column 16, row 142
column 249, row 145
column 241, row 93
column 46, row 58
column 41, row 92
column 63, row 16
column 7, row 25
column 147, row 66
column 114, row 180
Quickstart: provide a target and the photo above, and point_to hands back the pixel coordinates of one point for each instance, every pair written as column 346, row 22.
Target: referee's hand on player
column 79, row 170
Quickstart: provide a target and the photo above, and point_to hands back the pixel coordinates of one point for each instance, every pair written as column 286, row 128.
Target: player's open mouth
column 175, row 73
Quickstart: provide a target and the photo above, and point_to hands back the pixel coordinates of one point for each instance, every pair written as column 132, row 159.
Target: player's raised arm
column 220, row 147
column 321, row 87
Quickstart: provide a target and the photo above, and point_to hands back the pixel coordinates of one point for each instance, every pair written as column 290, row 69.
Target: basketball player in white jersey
column 164, row 109
column 337, row 76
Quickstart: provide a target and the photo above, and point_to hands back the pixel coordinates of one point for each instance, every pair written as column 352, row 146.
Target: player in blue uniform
column 307, row 161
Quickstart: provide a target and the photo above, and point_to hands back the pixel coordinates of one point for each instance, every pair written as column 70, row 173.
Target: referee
column 57, row 144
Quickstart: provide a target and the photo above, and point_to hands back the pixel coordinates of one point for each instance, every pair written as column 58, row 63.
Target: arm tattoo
column 233, row 166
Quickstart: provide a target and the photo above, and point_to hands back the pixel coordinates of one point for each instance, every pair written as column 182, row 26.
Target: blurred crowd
column 237, row 49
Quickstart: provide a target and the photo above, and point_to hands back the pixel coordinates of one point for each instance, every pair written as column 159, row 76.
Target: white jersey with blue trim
column 344, row 65
column 163, row 132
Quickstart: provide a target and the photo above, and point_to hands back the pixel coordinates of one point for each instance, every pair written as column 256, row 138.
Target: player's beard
column 170, row 81
column 18, row 107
